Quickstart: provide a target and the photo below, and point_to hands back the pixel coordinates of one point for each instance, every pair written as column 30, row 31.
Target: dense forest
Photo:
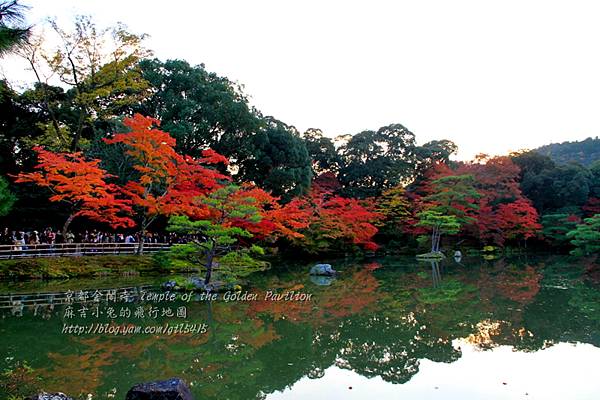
column 584, row 152
column 106, row 136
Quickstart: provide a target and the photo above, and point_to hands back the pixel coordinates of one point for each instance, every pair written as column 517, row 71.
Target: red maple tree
column 82, row 185
column 167, row 183
column 502, row 212
column 333, row 219
column 518, row 220
column 276, row 220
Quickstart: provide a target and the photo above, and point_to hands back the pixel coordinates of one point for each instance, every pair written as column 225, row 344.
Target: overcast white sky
column 492, row 76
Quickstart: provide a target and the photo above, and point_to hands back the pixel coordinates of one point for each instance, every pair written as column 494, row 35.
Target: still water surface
column 391, row 328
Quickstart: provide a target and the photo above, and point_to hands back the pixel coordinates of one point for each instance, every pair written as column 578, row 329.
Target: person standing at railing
column 49, row 236
column 34, row 238
column 6, row 238
column 69, row 237
column 19, row 242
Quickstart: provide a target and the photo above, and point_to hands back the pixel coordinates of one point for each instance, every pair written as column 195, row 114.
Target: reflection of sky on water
column 563, row 371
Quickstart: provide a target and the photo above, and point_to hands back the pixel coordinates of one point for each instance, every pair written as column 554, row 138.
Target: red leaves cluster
column 518, row 219
column 82, row 184
column 320, row 213
column 276, row 220
column 337, row 218
column 503, row 212
column 168, row 183
column 591, row 207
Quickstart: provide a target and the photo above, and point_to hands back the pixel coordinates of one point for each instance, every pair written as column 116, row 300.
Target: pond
column 525, row 328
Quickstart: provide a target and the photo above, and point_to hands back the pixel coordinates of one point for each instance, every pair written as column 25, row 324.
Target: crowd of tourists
column 21, row 239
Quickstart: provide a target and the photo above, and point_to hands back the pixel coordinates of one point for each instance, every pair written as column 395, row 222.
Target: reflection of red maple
column 260, row 334
column 344, row 298
column 372, row 266
column 83, row 372
column 521, row 286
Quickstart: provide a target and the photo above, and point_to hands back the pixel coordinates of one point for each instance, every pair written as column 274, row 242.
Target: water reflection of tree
column 436, row 275
column 374, row 321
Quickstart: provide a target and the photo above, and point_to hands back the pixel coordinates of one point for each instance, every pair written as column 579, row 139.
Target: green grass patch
column 71, row 267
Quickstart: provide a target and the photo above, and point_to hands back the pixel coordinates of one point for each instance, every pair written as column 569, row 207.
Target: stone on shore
column 50, row 396
column 171, row 389
column 196, row 284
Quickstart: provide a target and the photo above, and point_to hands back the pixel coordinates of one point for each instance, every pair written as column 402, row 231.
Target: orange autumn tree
column 504, row 212
column 166, row 183
column 519, row 220
column 82, row 185
column 335, row 222
column 276, row 220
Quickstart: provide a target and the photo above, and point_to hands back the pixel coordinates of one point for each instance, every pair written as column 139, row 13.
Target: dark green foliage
column 18, row 126
column 553, row 187
column 584, row 152
column 114, row 157
column 216, row 237
column 279, row 162
column 13, row 31
column 586, row 237
column 7, row 198
column 556, row 227
column 433, row 152
column 595, row 179
column 199, row 108
column 375, row 161
column 322, row 152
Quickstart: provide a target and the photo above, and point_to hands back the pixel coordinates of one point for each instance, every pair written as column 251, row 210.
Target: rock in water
column 172, row 389
column 322, row 280
column 169, row 285
column 322, row 269
column 50, row 396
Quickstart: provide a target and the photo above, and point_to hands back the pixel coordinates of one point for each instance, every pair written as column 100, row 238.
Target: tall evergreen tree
column 13, row 30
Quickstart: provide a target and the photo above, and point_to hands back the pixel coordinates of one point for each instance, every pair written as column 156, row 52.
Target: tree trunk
column 66, row 225
column 140, row 246
column 77, row 136
column 209, row 263
column 435, row 239
column 45, row 100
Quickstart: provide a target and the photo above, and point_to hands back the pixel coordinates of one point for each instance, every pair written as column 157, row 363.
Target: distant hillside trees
column 584, row 152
